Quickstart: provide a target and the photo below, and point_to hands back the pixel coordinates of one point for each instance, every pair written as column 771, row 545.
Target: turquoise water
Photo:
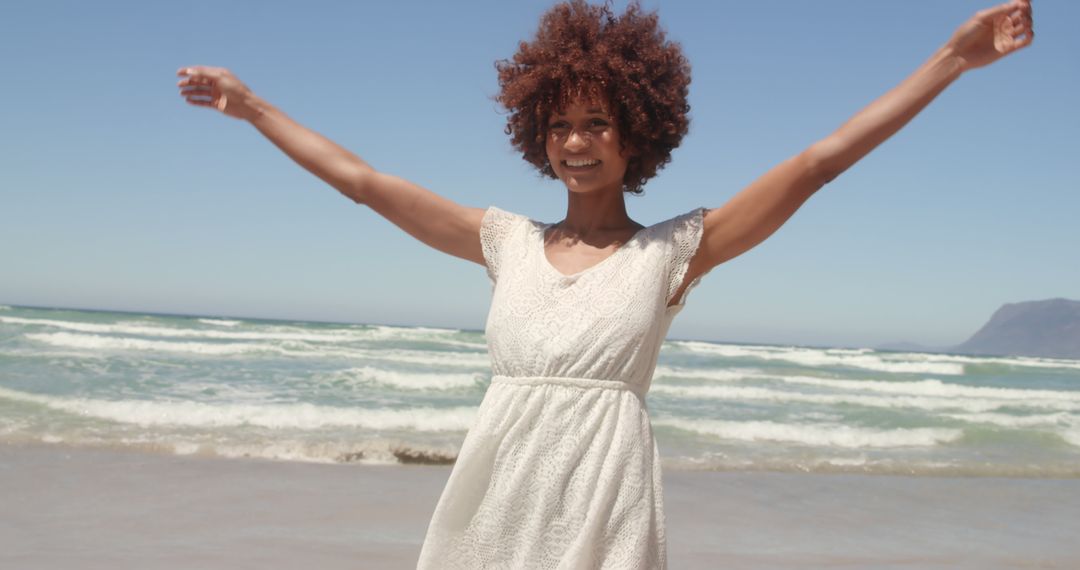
column 304, row 391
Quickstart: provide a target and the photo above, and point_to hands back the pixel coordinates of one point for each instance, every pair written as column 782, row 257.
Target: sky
column 115, row 194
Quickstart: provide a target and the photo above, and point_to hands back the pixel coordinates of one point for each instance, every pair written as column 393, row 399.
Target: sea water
column 359, row 393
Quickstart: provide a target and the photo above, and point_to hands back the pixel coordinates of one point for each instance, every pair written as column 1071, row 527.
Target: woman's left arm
column 762, row 207
column 987, row 37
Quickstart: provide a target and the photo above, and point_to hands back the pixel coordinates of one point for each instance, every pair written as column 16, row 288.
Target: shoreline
column 405, row 456
column 72, row 507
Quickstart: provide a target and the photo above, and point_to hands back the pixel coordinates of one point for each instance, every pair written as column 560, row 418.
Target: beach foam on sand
column 80, row 508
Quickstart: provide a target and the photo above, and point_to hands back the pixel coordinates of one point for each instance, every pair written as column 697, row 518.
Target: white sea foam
column 429, row 358
column 816, row 435
column 931, row 387
column 231, row 392
column 1014, row 361
column 421, row 334
column 816, row 417
column 219, row 322
column 845, row 461
column 278, row 416
column 906, row 362
column 408, row 380
column 97, row 342
column 5, row 308
column 741, row 393
column 391, row 331
column 928, row 387
column 266, row 333
column 1038, row 362
column 276, row 333
column 812, row 357
column 722, row 374
column 94, row 342
column 850, row 350
column 1006, row 420
column 1072, row 436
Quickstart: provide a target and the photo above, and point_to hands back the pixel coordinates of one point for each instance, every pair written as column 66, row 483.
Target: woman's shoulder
column 497, row 215
column 498, row 224
column 680, row 223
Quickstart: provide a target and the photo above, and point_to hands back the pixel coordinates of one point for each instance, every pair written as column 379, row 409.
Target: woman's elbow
column 824, row 160
column 357, row 184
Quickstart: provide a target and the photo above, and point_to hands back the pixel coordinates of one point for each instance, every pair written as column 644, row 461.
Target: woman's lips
column 580, row 165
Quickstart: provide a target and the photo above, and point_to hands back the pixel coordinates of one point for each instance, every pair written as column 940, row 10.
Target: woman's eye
column 597, row 123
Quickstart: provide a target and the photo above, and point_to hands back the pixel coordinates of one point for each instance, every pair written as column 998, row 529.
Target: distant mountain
column 1048, row 329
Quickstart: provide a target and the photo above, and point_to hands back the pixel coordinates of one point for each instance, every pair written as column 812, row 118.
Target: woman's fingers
column 201, row 72
column 197, row 86
column 1026, row 24
column 195, row 81
column 206, row 95
column 196, row 89
column 1022, row 17
column 1021, row 24
column 193, row 69
column 205, row 84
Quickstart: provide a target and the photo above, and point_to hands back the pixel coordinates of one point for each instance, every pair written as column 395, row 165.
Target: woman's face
column 583, row 148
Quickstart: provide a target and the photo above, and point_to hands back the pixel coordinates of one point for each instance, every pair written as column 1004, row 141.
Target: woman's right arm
column 443, row 224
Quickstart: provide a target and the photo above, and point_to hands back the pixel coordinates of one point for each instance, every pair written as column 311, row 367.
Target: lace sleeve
column 494, row 229
column 685, row 238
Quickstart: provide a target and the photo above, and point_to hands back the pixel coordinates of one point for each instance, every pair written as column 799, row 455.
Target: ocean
column 376, row 394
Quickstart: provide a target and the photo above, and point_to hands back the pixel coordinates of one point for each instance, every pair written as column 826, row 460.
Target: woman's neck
column 596, row 212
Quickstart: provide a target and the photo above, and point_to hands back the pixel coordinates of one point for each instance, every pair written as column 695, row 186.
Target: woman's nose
column 575, row 142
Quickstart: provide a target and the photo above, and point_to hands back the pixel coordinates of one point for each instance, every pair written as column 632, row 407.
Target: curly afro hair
column 584, row 50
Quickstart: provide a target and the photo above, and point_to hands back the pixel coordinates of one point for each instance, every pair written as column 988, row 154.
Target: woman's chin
column 582, row 186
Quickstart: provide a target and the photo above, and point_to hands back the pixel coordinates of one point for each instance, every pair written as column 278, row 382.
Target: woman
column 560, row 469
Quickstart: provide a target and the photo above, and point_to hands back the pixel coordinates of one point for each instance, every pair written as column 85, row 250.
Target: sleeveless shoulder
column 495, row 228
column 684, row 239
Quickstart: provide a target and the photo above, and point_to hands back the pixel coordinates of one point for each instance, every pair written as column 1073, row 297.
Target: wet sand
column 80, row 508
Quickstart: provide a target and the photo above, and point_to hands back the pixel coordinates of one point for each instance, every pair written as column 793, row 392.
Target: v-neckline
column 544, row 258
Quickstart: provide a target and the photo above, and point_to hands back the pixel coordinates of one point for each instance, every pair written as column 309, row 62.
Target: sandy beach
column 80, row 508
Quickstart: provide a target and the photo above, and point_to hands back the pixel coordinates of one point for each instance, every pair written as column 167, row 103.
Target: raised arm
column 761, row 208
column 430, row 218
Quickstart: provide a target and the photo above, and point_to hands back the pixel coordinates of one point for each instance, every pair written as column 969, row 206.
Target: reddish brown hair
column 624, row 60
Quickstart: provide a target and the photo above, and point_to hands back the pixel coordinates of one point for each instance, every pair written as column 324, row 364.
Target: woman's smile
column 580, row 164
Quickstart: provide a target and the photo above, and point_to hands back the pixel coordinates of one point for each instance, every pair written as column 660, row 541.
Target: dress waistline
column 583, row 383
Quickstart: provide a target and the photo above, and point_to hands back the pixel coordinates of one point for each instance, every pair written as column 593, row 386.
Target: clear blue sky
column 115, row 194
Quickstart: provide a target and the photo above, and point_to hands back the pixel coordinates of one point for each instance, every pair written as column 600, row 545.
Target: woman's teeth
column 580, row 163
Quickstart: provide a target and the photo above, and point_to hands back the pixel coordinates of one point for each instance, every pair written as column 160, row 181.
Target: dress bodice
column 606, row 322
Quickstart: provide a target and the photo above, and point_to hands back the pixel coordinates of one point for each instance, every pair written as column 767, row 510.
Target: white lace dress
column 560, row 469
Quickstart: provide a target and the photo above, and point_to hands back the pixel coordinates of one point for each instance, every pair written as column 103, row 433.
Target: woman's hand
column 992, row 34
column 218, row 88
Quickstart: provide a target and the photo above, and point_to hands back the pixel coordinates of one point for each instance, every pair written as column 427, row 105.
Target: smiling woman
column 560, row 468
